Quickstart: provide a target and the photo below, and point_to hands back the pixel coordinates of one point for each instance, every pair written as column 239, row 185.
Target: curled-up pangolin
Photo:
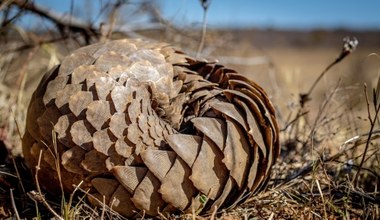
column 150, row 129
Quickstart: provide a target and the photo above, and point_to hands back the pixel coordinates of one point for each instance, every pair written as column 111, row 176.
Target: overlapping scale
column 150, row 129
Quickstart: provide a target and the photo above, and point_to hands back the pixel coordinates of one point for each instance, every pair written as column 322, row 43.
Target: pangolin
column 147, row 128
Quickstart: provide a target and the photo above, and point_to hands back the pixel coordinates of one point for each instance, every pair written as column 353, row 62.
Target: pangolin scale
column 150, row 129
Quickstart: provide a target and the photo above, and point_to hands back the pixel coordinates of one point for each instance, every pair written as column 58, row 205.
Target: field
column 329, row 166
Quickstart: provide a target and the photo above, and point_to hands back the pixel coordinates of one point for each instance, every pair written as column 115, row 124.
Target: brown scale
column 149, row 128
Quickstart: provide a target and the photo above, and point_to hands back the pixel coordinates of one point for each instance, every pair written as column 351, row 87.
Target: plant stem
column 372, row 122
column 205, row 5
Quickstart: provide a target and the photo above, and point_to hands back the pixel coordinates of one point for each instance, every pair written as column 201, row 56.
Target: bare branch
column 65, row 23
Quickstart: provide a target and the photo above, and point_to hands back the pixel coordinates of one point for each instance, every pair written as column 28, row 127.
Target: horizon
column 241, row 14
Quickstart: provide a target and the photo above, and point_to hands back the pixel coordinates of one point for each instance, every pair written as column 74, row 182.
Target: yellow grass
column 321, row 149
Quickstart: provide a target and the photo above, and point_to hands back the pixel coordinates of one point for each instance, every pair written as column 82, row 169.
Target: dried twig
column 353, row 142
column 372, row 122
column 14, row 205
column 214, row 213
column 298, row 116
column 40, row 195
column 105, row 206
column 319, row 114
column 6, row 21
column 348, row 47
column 205, row 4
column 69, row 25
column 65, row 24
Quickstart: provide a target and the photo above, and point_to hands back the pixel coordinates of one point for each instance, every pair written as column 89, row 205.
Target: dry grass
column 318, row 176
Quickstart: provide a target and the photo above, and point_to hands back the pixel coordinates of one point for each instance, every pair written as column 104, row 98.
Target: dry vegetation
column 330, row 161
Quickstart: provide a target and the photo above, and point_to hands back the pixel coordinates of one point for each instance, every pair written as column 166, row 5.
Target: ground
column 319, row 174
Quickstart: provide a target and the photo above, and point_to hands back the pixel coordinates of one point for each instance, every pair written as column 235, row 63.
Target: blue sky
column 299, row 14
column 280, row 13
